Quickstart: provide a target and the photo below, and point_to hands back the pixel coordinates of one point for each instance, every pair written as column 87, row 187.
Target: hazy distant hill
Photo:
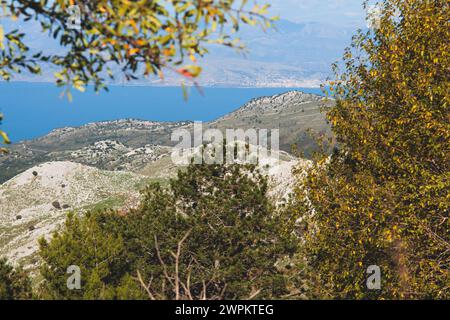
column 293, row 55
column 132, row 144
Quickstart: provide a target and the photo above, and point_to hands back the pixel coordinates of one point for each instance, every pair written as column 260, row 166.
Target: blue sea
column 33, row 109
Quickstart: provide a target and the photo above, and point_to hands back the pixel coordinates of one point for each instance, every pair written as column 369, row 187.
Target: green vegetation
column 14, row 283
column 111, row 202
column 211, row 234
column 78, row 144
column 383, row 198
column 4, row 137
column 137, row 36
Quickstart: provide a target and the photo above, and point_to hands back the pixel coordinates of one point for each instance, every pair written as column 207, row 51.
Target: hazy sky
column 344, row 12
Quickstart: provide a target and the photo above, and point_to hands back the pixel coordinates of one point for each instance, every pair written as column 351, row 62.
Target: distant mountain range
column 131, row 144
column 293, row 55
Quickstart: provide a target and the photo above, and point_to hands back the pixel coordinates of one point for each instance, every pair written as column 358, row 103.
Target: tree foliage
column 3, row 137
column 140, row 37
column 14, row 283
column 211, row 234
column 100, row 253
column 382, row 199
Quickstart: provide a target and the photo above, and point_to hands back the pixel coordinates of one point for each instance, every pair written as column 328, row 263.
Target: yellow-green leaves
column 140, row 37
column 133, row 38
column 248, row 20
column 190, row 71
column 383, row 198
column 79, row 85
column 2, row 36
column 4, row 139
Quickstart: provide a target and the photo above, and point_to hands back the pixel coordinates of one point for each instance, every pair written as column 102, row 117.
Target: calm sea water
column 34, row 109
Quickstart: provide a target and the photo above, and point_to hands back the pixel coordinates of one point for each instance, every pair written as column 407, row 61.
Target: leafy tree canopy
column 383, row 197
column 14, row 283
column 141, row 37
column 4, row 137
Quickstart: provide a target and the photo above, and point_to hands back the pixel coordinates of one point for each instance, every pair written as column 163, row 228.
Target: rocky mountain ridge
column 130, row 144
column 277, row 103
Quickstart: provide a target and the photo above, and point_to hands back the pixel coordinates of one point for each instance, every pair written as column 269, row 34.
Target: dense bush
column 383, row 197
column 14, row 283
column 212, row 233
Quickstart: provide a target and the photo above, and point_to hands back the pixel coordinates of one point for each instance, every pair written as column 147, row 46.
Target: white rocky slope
column 34, row 203
column 277, row 165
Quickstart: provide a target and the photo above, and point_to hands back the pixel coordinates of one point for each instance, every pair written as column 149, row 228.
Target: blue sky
column 340, row 12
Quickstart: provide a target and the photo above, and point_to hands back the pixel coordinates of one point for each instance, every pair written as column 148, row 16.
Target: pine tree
column 211, row 234
column 14, row 283
column 91, row 245
column 234, row 237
